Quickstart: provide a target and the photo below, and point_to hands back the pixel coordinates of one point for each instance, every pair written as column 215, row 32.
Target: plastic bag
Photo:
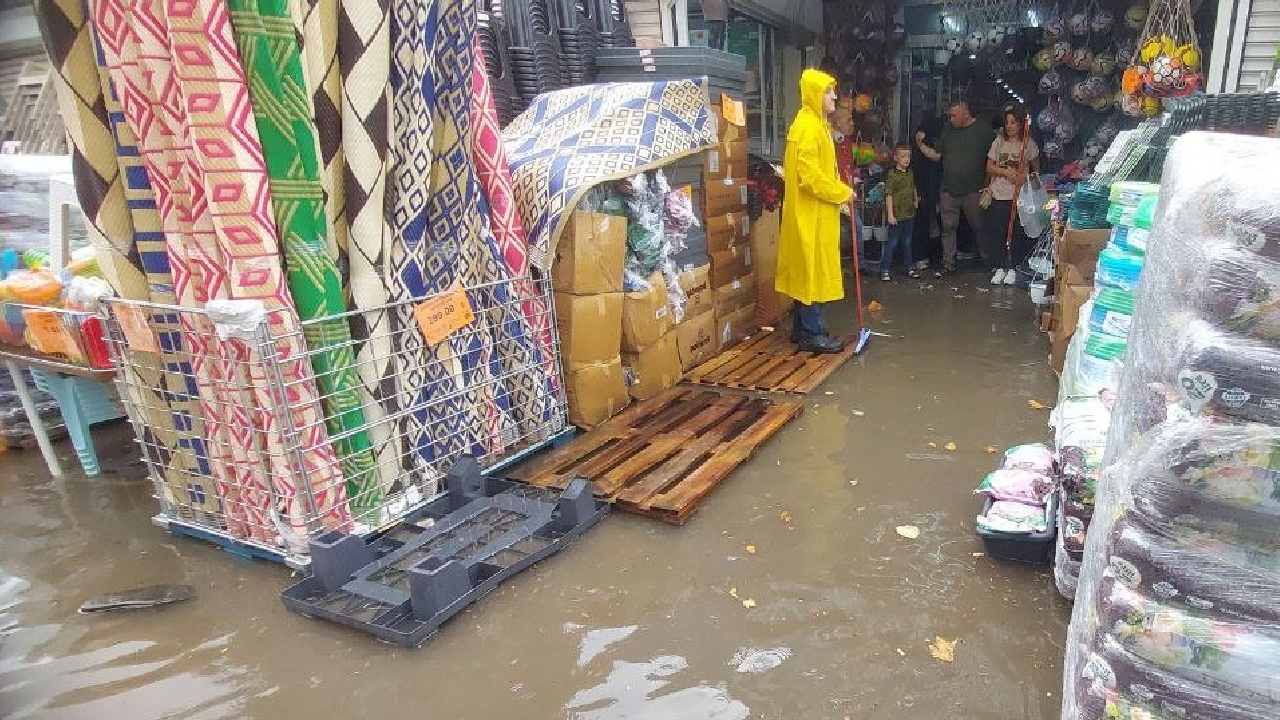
column 1032, row 200
column 1036, row 457
column 1013, row 517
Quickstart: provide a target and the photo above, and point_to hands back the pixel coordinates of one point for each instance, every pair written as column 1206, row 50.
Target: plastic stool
column 83, row 403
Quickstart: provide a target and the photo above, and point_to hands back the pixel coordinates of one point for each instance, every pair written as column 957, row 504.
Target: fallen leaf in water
column 933, row 446
column 1035, row 404
column 991, row 449
column 902, row 652
column 748, row 603
column 875, row 306
column 751, row 549
column 785, row 516
column 959, row 297
column 950, row 447
column 943, row 649
column 911, row 532
column 733, row 592
column 978, row 555
column 853, row 483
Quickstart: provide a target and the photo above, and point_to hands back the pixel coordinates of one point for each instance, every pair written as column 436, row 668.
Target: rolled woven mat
column 364, row 57
column 116, row 224
column 269, row 53
column 316, row 25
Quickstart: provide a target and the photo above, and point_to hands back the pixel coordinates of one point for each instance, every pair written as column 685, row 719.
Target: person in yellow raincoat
column 809, row 243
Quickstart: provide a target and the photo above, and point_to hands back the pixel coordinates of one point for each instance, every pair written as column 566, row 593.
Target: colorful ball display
column 1102, row 21
column 1136, row 17
column 1043, row 60
column 1062, row 52
column 1051, row 83
column 1082, row 59
column 1079, row 24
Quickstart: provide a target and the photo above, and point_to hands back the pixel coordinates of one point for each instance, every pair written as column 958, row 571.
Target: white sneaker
column 1010, row 277
column 998, row 278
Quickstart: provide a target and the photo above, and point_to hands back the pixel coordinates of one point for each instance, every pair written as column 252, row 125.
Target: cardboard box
column 654, row 369
column 590, row 327
column 696, row 279
column 733, row 328
column 646, row 316
column 725, row 160
column 1058, row 344
column 771, row 305
column 727, row 231
column 703, row 301
column 727, row 131
column 724, row 196
column 696, row 340
column 596, row 393
column 590, row 254
column 1072, row 300
column 729, row 265
column 740, row 293
column 1079, row 249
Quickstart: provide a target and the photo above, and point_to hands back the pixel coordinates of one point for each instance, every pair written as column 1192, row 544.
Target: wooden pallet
column 770, row 362
column 660, row 457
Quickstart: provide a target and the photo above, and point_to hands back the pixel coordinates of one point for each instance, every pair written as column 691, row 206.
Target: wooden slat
column 769, row 362
column 644, row 461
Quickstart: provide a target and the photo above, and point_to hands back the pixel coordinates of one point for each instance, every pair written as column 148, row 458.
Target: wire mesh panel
column 212, row 405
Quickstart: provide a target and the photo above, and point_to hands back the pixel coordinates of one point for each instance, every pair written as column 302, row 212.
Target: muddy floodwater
column 638, row 620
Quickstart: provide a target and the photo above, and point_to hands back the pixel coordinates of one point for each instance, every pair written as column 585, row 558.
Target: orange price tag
column 444, row 314
column 733, row 110
column 688, row 192
column 47, row 332
column 137, row 332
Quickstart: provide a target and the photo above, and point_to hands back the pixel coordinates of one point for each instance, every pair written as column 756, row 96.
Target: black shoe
column 822, row 345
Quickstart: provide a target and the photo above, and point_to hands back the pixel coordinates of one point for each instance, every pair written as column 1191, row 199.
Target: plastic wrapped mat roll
column 1216, row 373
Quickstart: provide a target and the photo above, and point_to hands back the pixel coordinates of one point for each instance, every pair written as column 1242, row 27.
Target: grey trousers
column 950, row 207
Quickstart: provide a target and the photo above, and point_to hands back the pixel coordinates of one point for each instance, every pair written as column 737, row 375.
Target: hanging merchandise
column 1168, row 60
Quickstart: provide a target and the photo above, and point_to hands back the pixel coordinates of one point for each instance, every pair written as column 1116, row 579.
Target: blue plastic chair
column 83, row 403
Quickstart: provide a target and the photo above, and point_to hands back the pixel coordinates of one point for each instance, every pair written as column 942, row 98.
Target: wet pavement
column 638, row 620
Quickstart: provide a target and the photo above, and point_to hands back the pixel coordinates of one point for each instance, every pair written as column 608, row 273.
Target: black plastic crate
column 402, row 586
column 1029, row 548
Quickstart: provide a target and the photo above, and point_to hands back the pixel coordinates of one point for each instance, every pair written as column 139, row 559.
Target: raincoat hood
column 813, row 85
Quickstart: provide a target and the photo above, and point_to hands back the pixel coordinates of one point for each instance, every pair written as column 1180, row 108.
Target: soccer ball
column 1079, row 23
column 1043, row 60
column 1054, row 27
column 975, row 40
column 1168, row 74
column 1102, row 21
column 1136, row 17
column 1104, row 63
column 1082, row 59
column 1096, row 86
column 1065, row 132
column 1054, row 149
column 1048, row 119
column 953, row 45
column 1101, row 103
column 1051, row 83
column 1080, row 93
column 1062, row 51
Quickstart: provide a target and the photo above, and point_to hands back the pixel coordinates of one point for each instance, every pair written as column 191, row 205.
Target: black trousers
column 994, row 254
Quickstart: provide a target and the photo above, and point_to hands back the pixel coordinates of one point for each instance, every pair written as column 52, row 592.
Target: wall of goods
column 333, row 274
column 1085, row 69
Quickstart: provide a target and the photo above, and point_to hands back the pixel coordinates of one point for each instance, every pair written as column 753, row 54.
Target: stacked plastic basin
column 1092, row 373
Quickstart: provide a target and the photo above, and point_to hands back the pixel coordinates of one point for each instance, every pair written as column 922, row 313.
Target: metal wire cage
column 258, row 450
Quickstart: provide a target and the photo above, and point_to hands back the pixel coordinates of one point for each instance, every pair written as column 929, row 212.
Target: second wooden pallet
column 770, row 362
column 660, row 457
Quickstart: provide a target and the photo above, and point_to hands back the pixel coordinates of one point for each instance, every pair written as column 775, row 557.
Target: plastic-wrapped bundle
column 1118, row 685
column 1179, row 589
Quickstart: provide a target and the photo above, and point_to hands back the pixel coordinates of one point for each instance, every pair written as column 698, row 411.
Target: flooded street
column 638, row 620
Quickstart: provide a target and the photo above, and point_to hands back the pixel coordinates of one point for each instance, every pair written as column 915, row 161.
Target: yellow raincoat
column 809, row 243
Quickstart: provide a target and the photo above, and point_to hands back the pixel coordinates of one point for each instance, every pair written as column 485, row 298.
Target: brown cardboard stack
column 771, row 305
column 1077, row 259
column 587, row 277
column 695, row 337
column 650, row 357
column 728, row 226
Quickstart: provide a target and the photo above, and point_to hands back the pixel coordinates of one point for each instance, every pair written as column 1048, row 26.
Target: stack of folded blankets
column 1178, row 609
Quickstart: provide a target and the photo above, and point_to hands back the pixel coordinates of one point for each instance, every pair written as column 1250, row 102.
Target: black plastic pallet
column 404, row 585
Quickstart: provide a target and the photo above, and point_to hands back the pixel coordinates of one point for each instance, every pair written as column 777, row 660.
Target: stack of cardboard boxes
column 696, row 333
column 1077, row 260
column 728, row 227
column 650, row 356
column 587, row 277
column 771, row 305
